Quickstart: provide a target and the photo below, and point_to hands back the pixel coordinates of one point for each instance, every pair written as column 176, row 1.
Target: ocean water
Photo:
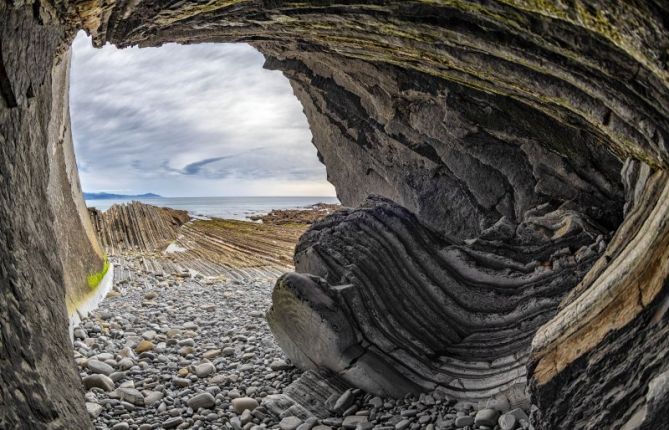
column 222, row 207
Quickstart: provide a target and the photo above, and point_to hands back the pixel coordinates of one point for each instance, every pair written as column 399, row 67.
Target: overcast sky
column 197, row 120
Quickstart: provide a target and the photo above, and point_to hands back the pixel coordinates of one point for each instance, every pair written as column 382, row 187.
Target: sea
column 240, row 208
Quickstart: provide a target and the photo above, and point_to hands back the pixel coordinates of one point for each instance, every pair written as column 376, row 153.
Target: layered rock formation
column 47, row 245
column 137, row 227
column 399, row 309
column 168, row 240
column 608, row 344
column 237, row 246
column 482, row 119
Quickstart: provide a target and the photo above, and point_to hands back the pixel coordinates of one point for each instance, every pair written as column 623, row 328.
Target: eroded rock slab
column 392, row 307
column 137, row 227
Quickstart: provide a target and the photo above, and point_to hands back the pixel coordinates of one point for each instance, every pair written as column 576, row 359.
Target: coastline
column 193, row 291
column 238, row 208
column 173, row 241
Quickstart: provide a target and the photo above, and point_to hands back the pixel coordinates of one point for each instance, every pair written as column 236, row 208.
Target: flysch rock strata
column 392, row 307
column 172, row 351
column 169, row 241
column 136, row 226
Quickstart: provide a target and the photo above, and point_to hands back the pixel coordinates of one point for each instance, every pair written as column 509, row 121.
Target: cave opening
column 513, row 230
column 199, row 175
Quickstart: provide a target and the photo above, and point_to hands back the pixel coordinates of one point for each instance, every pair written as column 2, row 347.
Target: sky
column 196, row 120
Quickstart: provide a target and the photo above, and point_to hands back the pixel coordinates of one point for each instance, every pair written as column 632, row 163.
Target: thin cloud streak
column 192, row 120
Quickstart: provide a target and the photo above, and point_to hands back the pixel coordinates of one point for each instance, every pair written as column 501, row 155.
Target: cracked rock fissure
column 506, row 165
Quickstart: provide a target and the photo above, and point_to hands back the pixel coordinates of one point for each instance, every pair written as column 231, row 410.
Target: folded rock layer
column 396, row 308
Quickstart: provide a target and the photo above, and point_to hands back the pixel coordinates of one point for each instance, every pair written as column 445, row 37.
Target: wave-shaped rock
column 392, row 307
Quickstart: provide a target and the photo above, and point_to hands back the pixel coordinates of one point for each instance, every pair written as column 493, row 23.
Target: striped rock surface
column 392, row 307
column 137, row 227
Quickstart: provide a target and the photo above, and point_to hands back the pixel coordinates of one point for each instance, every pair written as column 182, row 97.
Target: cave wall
column 76, row 241
column 475, row 116
column 459, row 158
column 39, row 385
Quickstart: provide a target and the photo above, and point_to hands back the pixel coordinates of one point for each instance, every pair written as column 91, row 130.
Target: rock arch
column 526, row 135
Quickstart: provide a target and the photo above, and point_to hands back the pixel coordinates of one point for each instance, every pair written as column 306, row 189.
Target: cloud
column 189, row 120
column 194, row 168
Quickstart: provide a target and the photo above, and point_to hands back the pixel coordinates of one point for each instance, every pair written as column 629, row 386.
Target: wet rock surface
column 314, row 213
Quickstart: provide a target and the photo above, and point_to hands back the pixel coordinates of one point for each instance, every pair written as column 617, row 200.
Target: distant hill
column 103, row 196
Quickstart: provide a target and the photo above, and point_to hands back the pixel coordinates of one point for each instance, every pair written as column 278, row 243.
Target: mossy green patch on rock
column 94, row 279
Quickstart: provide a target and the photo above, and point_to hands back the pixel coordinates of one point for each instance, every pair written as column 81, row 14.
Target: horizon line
column 159, row 196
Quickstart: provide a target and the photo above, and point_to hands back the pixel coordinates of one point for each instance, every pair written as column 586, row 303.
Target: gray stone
column 519, row 414
column 402, row 425
column 277, row 365
column 352, row 421
column 465, row 421
column 205, row 369
column 98, row 381
column 308, row 424
column 507, row 422
column 131, row 395
column 242, row 403
column 202, row 400
column 93, row 409
column 236, row 423
column 332, row 421
column 344, row 401
column 117, row 376
column 246, row 417
column 376, row 402
column 125, row 363
column 96, row 366
column 486, row 417
column 181, row 382
column 289, row 423
column 173, row 422
column 153, row 397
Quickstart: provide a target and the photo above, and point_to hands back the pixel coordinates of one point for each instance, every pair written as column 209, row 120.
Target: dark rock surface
column 459, row 158
column 39, row 388
column 480, row 118
column 608, row 343
column 398, row 309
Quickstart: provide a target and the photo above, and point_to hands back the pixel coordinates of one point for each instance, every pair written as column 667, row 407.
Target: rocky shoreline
column 182, row 340
column 181, row 350
column 307, row 215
